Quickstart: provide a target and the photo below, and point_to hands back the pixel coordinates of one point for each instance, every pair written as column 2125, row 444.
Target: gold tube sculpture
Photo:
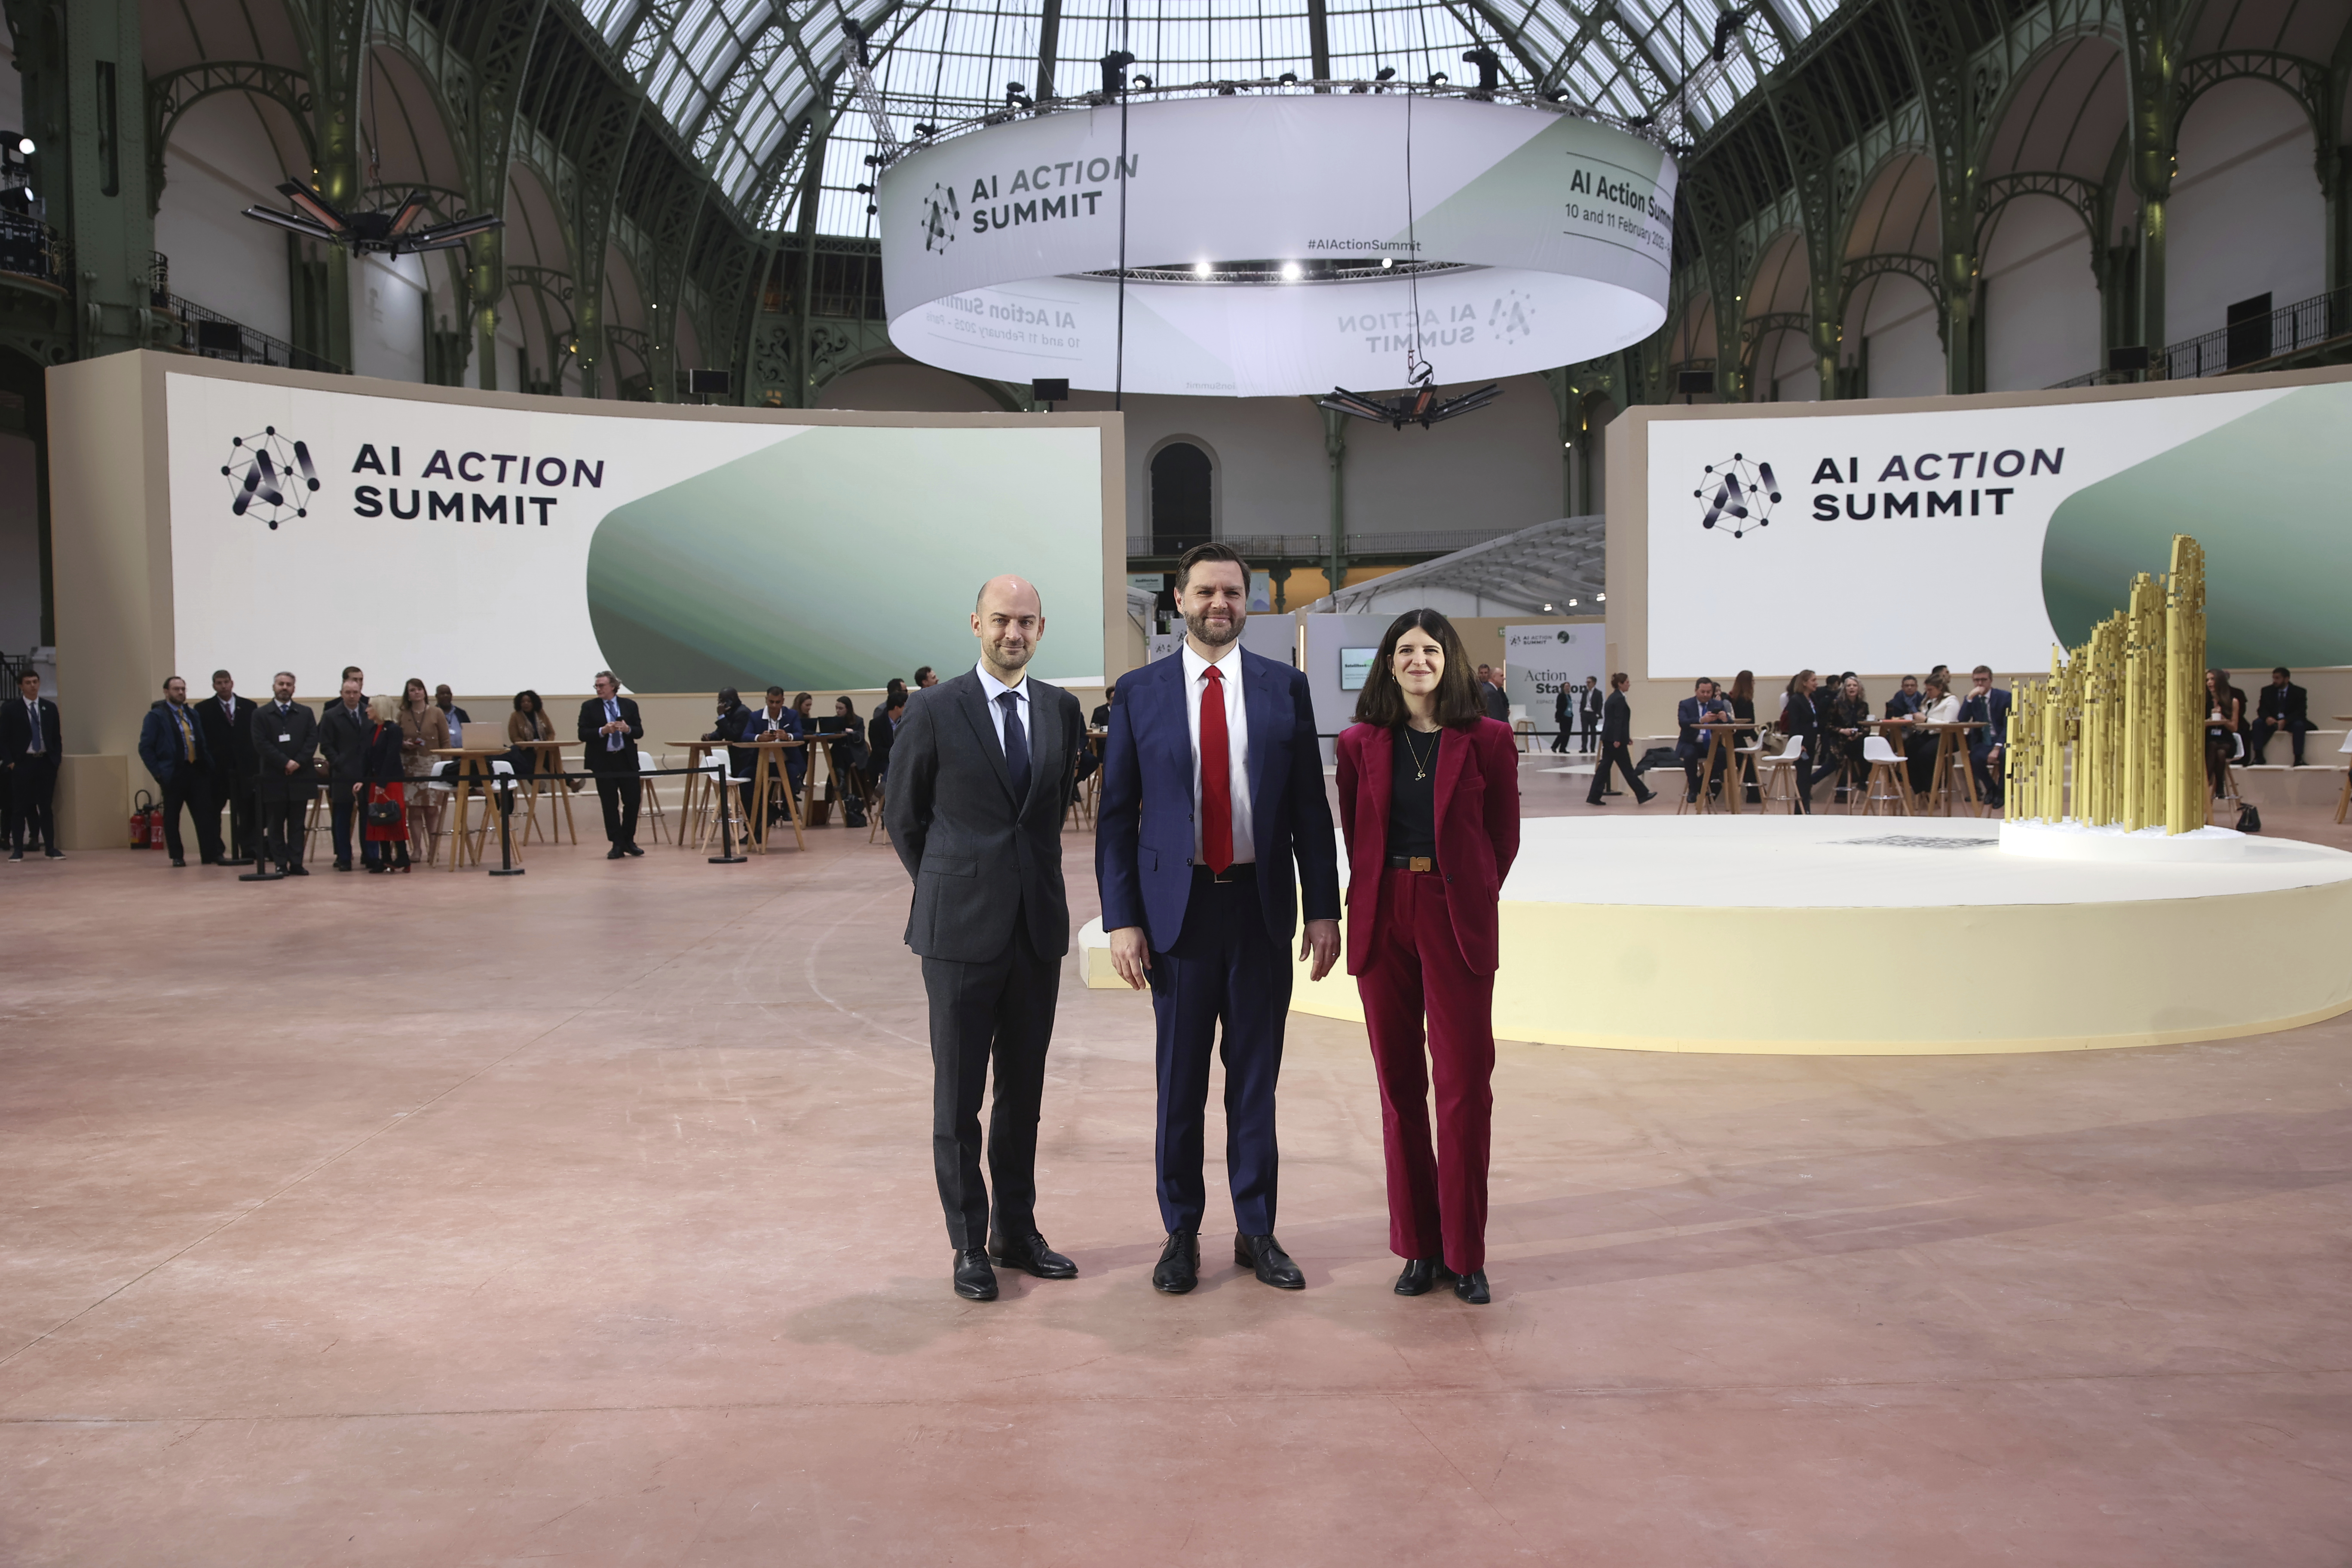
column 2115, row 736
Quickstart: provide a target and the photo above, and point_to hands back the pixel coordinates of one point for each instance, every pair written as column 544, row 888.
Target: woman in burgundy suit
column 1429, row 803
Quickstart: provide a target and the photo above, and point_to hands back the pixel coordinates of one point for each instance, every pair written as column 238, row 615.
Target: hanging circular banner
column 1256, row 228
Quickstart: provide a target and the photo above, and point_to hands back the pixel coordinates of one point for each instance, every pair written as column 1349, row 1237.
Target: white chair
column 1887, row 790
column 1780, row 773
column 727, row 791
column 441, row 781
column 653, row 805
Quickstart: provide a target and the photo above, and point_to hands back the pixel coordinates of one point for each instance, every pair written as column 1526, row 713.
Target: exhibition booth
column 210, row 515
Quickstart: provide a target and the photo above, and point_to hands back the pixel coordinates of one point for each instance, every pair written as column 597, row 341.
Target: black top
column 1412, row 801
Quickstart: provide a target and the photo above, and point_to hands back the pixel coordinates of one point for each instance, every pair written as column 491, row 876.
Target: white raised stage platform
column 1833, row 935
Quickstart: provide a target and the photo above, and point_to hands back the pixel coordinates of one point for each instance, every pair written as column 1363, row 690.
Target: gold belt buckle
column 1420, row 863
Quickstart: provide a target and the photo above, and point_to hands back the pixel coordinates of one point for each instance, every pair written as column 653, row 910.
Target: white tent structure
column 1552, row 568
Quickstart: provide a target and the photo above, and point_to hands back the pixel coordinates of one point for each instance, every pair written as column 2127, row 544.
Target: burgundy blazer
column 1477, row 800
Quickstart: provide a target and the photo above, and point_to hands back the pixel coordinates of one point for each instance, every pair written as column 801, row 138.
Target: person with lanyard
column 173, row 747
column 286, row 743
column 1429, row 804
column 30, row 745
column 1800, row 720
column 609, row 732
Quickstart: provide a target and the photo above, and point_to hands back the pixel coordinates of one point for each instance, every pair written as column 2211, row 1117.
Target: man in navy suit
column 1989, row 703
column 1694, row 744
column 1212, row 785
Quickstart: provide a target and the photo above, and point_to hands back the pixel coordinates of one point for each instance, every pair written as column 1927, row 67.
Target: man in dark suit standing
column 343, row 734
column 227, row 721
column 980, row 772
column 1989, row 704
column 30, row 745
column 2283, row 705
column 173, row 747
column 1590, row 707
column 882, row 732
column 1212, row 785
column 1491, row 693
column 1617, row 747
column 1694, row 741
column 609, row 732
column 285, row 749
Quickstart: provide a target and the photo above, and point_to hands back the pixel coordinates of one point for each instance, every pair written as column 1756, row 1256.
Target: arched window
column 1181, row 503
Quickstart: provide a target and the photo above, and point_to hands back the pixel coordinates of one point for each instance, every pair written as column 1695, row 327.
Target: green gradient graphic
column 2263, row 496
column 840, row 557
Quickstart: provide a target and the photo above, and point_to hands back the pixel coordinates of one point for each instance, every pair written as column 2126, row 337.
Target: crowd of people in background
column 262, row 761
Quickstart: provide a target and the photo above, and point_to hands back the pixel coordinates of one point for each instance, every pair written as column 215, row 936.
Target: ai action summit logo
column 1744, row 495
column 269, row 476
column 941, row 215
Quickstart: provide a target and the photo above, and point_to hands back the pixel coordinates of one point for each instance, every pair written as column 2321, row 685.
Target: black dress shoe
column 616, row 853
column 342, row 865
column 1419, row 1277
column 1031, row 1256
column 376, row 867
column 178, row 863
column 16, row 854
column 974, row 1279
column 1263, row 1255
column 631, row 848
column 297, row 869
column 1179, row 1268
column 1472, row 1287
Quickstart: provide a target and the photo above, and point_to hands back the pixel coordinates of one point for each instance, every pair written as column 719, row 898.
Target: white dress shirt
column 993, row 688
column 1196, row 682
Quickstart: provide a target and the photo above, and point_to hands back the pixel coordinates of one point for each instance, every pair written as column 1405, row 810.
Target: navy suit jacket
column 1975, row 707
column 159, row 742
column 1690, row 715
column 1143, row 842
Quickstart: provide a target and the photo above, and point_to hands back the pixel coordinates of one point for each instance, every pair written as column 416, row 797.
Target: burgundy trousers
column 1437, row 1201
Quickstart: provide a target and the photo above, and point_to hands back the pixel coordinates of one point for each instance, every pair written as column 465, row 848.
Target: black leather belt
column 1412, row 863
column 1240, row 871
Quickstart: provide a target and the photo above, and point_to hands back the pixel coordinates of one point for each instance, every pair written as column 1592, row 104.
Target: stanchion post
column 504, row 784
column 726, row 856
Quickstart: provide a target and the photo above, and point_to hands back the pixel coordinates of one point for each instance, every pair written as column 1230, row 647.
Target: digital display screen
column 1355, row 664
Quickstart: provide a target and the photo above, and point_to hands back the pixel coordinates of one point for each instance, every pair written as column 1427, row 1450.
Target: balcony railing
column 31, row 248
column 2292, row 329
column 214, row 336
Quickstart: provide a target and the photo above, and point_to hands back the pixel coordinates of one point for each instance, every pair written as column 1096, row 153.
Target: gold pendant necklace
column 1419, row 769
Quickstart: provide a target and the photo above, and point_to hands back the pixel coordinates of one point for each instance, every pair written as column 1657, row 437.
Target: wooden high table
column 473, row 769
column 768, row 772
column 1940, row 796
column 1722, row 746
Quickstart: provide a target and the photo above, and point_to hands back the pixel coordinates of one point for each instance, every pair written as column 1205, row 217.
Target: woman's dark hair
column 844, row 708
column 1381, row 701
column 1743, row 687
column 536, row 705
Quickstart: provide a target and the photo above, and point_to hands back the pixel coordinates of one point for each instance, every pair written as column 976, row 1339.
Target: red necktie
column 1216, row 778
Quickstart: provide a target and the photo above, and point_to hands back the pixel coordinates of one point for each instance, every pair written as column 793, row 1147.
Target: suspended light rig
column 394, row 232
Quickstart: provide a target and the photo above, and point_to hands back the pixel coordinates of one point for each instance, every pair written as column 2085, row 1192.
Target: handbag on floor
column 2249, row 819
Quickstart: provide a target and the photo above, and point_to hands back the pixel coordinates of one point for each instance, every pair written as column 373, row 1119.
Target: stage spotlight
column 864, row 190
column 1290, row 272
column 926, row 131
column 1287, row 78
column 1437, row 79
column 1200, row 269
column 1387, row 262
column 25, row 145
column 1143, row 81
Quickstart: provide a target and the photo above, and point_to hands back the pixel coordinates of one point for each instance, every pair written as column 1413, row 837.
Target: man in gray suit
column 980, row 773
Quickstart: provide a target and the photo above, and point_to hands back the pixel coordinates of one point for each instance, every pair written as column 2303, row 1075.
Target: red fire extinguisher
column 146, row 822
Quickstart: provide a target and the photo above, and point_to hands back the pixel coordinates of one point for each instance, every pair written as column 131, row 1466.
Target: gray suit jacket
column 977, row 854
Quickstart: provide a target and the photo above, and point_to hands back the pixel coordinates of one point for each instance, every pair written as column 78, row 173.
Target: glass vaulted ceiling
column 741, row 80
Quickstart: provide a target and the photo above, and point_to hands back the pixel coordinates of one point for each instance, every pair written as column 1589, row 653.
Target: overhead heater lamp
column 393, row 233
column 1419, row 406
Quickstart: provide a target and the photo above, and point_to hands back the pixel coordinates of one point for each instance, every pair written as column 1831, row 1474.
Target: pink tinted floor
column 587, row 1216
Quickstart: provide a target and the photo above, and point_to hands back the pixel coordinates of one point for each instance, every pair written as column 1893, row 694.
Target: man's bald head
column 1008, row 618
column 1012, row 591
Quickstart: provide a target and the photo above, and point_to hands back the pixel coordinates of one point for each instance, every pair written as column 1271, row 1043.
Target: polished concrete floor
column 587, row 1218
